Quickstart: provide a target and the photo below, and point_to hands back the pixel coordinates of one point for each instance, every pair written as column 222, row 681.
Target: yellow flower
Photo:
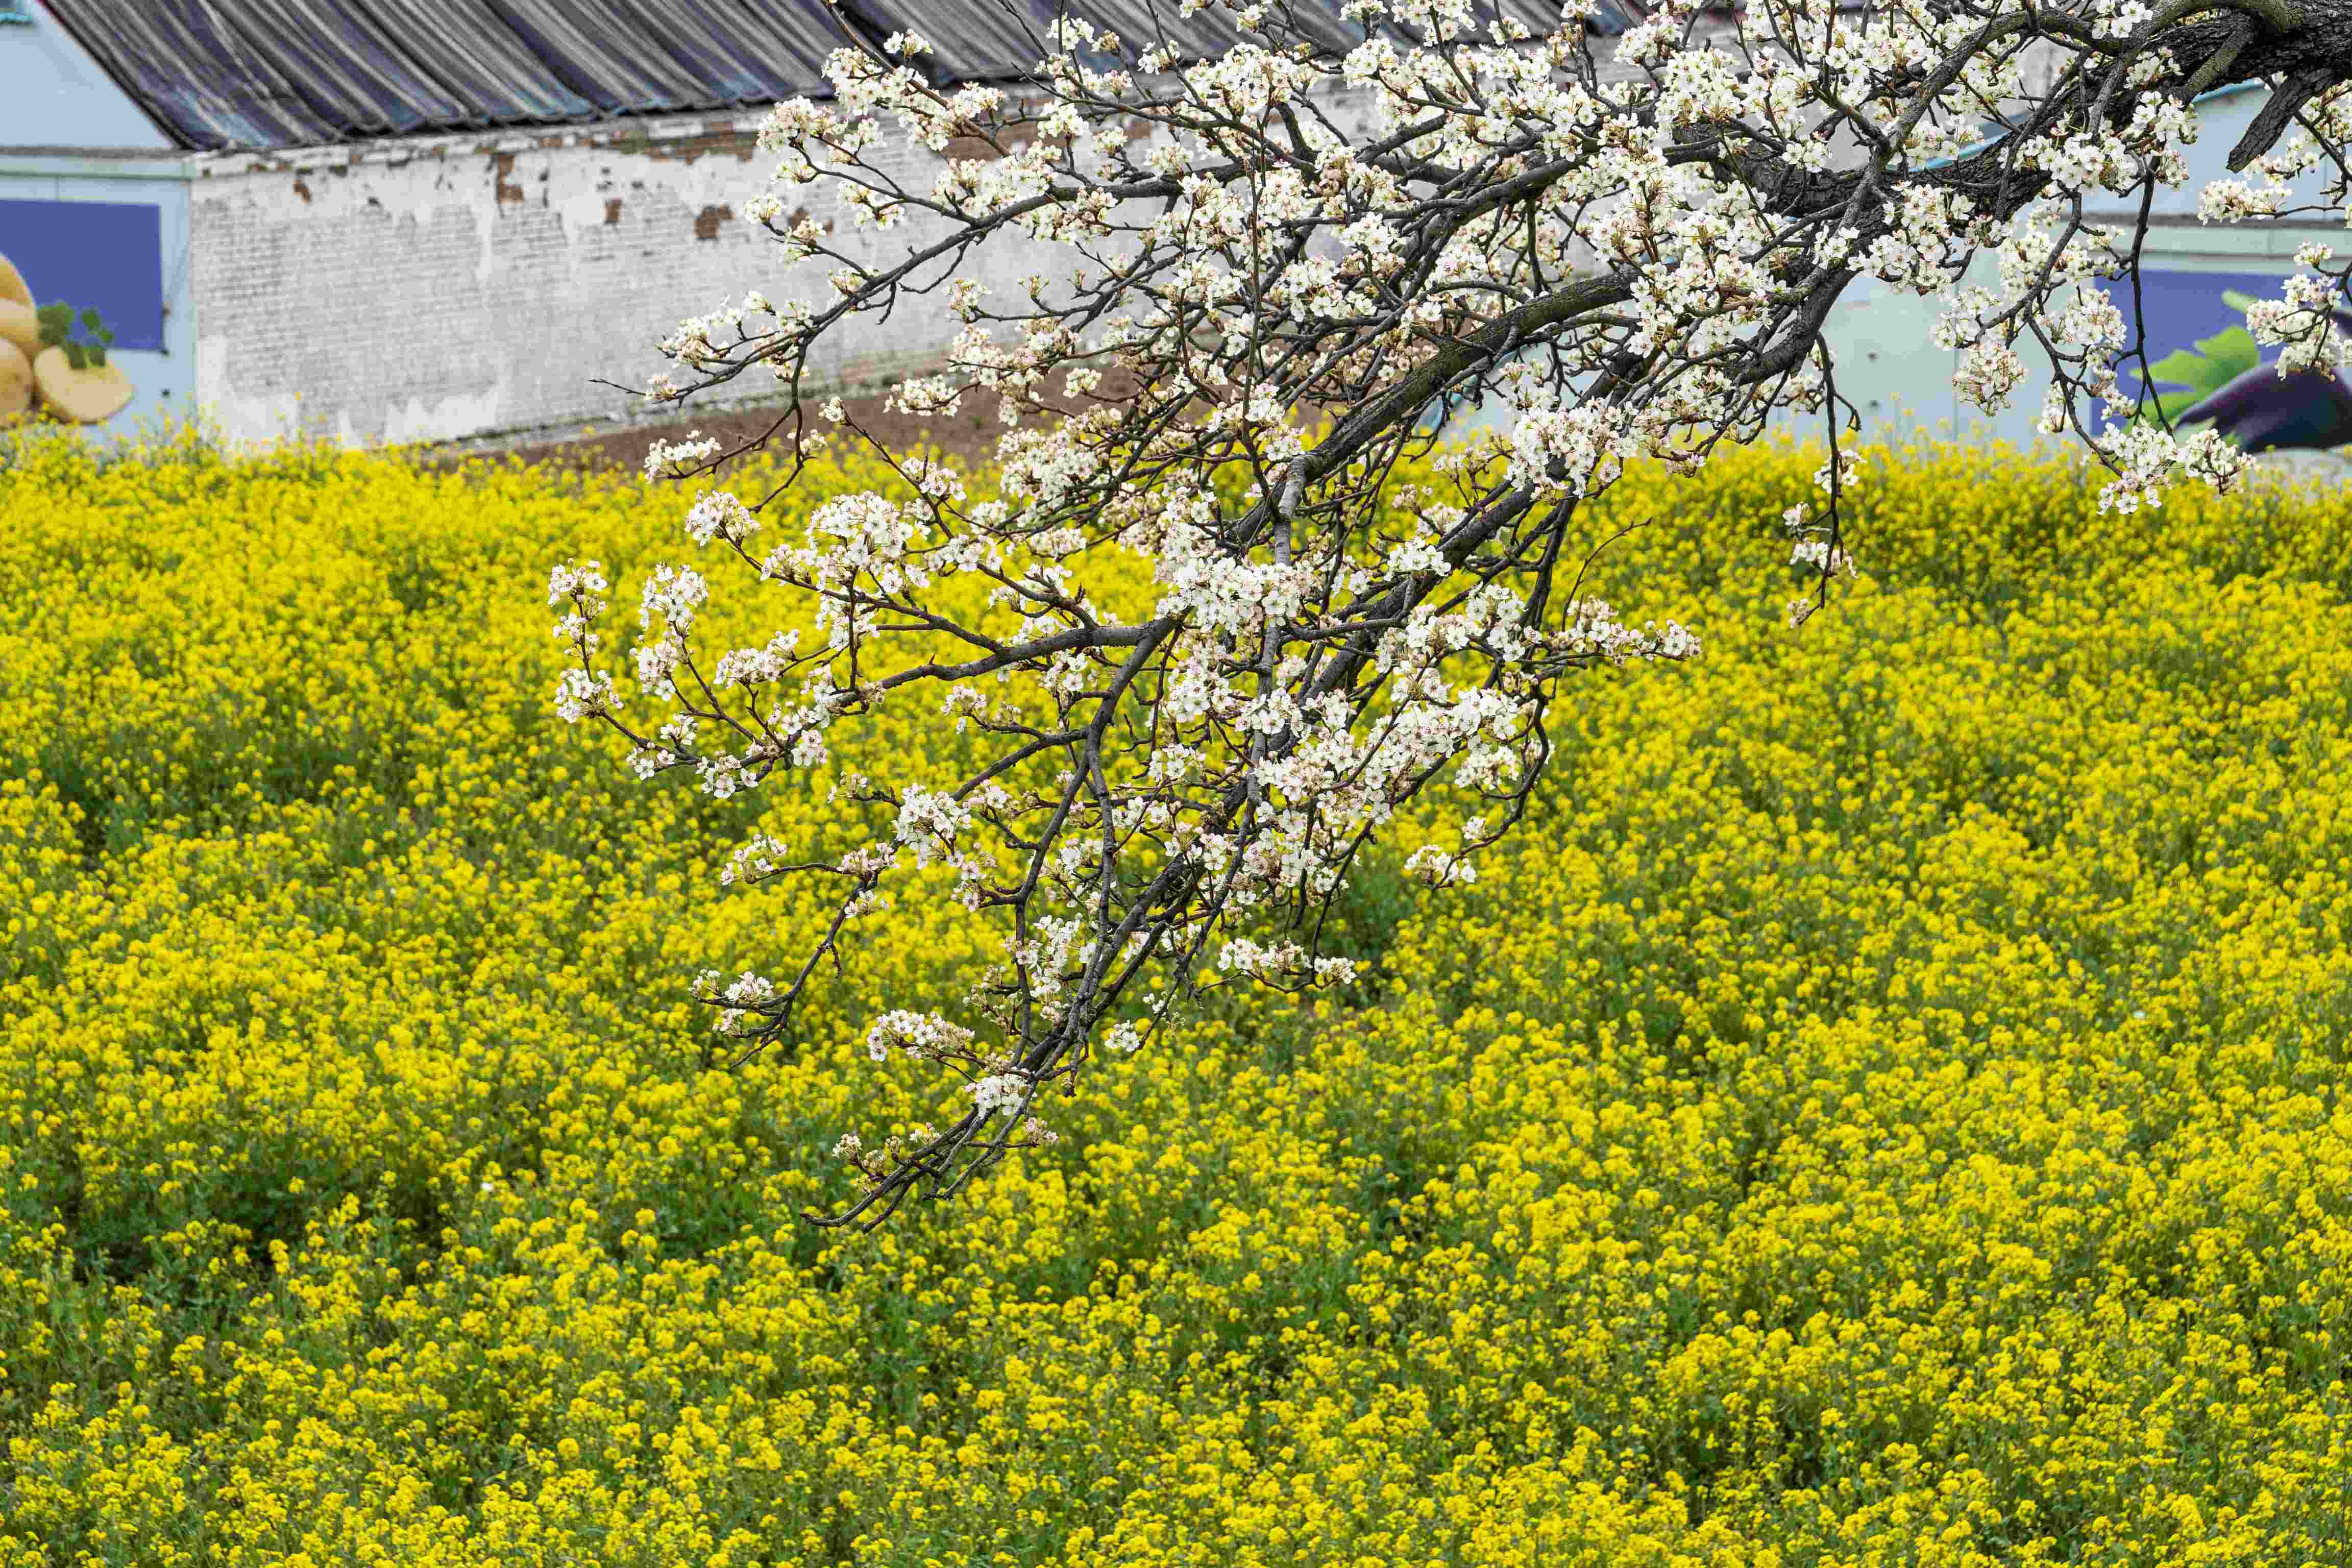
column 1886, row 1107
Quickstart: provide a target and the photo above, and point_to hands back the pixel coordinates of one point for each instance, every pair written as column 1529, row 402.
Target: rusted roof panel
column 986, row 40
column 971, row 40
column 478, row 55
column 1609, row 17
column 639, row 57
column 1140, row 24
column 355, row 74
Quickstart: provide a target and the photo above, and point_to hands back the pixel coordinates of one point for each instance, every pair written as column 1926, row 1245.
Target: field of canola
column 1889, row 1111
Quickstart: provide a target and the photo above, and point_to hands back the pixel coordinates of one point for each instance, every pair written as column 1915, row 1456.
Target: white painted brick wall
column 444, row 288
column 441, row 288
column 433, row 289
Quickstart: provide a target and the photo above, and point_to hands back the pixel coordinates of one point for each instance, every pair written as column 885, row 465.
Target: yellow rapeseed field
column 1887, row 1110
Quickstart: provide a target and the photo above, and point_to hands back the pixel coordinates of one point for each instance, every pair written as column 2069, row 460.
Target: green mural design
column 2213, row 365
column 2223, row 382
column 54, row 361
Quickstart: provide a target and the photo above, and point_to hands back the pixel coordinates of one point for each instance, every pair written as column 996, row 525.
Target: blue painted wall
column 94, row 210
column 53, row 95
column 111, row 235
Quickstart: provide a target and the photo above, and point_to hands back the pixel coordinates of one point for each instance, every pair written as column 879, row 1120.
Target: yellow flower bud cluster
column 1888, row 1107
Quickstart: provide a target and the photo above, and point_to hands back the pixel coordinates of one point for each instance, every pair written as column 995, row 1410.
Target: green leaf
column 91, row 319
column 105, row 334
column 95, row 353
column 2178, row 366
column 2219, row 360
column 2233, row 351
column 74, row 356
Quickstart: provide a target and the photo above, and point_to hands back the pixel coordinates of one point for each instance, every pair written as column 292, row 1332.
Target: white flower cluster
column 925, row 1035
column 722, row 514
column 582, row 690
column 757, row 859
column 2305, row 321
column 1005, row 1091
column 1631, row 264
column 674, row 459
column 1283, row 960
column 738, row 1000
column 1828, row 559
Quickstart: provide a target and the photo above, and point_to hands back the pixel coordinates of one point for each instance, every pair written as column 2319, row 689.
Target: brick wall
column 449, row 287
column 441, row 288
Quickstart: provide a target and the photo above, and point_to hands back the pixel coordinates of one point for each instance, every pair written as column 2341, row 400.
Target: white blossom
column 1237, row 310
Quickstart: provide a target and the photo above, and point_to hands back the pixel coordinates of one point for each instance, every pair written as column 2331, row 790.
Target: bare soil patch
column 969, row 436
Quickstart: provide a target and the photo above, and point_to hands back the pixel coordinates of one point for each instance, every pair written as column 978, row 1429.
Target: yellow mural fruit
column 90, row 395
column 15, row 381
column 12, row 284
column 20, row 326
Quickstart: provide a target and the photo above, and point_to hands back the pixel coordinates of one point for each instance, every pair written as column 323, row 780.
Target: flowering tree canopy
column 1631, row 251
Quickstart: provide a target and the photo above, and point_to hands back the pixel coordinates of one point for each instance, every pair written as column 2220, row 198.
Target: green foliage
column 2216, row 361
column 58, row 324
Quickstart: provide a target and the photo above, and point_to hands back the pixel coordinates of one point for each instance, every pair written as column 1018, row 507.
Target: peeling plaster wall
column 447, row 287
column 439, row 288
column 59, row 98
column 442, row 288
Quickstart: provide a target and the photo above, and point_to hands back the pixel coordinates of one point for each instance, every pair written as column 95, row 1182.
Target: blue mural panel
column 2182, row 307
column 101, row 256
column 2205, row 369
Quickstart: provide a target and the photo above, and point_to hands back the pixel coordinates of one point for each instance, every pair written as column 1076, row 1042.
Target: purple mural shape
column 2257, row 408
column 2264, row 411
column 107, row 255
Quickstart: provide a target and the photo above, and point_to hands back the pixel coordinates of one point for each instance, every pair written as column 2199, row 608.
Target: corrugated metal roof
column 347, row 69
column 220, row 74
column 639, row 56
column 974, row 41
column 481, row 59
column 201, row 84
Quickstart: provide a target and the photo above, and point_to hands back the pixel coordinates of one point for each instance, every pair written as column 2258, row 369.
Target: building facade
column 431, row 220
column 421, row 220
